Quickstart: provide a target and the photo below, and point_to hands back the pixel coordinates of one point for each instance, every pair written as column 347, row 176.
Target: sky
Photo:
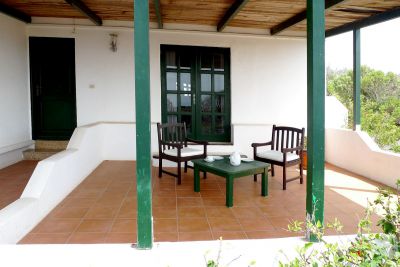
column 380, row 48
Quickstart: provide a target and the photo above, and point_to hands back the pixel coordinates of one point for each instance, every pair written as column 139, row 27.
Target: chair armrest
column 178, row 146
column 287, row 150
column 197, row 142
column 261, row 144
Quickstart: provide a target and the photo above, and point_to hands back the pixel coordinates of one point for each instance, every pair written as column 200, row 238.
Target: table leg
column 229, row 191
column 196, row 178
column 264, row 183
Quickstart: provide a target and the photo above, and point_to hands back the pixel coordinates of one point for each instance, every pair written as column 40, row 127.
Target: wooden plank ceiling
column 257, row 14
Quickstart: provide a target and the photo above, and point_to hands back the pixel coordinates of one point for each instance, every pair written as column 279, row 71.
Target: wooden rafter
column 12, row 12
column 300, row 17
column 378, row 18
column 82, row 7
column 157, row 7
column 231, row 13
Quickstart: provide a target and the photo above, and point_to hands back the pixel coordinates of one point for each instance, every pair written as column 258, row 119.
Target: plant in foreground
column 366, row 249
column 218, row 261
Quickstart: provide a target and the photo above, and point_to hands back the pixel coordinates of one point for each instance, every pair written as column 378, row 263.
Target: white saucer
column 247, row 159
column 209, row 160
column 218, row 157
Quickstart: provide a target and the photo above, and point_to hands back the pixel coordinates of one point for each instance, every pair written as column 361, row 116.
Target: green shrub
column 366, row 249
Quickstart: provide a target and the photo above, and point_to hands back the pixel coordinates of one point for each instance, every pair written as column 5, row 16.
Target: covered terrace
column 53, row 185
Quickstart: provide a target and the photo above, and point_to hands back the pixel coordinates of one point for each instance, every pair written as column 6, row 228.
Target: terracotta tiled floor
column 103, row 208
column 13, row 180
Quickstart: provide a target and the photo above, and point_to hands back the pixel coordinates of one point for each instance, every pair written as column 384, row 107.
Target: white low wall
column 53, row 179
column 357, row 152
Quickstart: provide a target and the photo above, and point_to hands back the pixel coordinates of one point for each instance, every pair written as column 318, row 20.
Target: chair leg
column 159, row 167
column 272, row 170
column 179, row 172
column 186, row 164
column 284, row 177
column 255, row 177
column 301, row 173
column 204, row 175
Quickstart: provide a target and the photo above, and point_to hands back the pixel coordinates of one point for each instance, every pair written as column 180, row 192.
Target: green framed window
column 195, row 83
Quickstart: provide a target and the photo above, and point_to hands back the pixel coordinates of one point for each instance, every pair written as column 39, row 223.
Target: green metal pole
column 356, row 80
column 143, row 140
column 315, row 110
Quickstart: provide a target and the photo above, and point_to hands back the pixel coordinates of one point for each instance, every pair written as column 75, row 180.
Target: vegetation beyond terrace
column 380, row 103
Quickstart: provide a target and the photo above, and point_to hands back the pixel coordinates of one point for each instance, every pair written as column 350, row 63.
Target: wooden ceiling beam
column 378, row 18
column 157, row 7
column 82, row 7
column 12, row 12
column 231, row 13
column 300, row 17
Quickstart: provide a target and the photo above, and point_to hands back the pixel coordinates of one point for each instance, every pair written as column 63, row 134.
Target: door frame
column 35, row 134
column 195, row 71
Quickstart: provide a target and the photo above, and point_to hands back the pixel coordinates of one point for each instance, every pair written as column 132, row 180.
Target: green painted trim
column 315, row 110
column 356, row 79
column 196, row 54
column 143, row 124
column 231, row 13
column 157, row 7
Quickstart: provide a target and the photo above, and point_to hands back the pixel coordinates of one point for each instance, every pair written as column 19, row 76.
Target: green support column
column 356, row 80
column 143, row 141
column 315, row 110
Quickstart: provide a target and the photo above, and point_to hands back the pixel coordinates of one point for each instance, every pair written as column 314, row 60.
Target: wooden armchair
column 286, row 150
column 172, row 145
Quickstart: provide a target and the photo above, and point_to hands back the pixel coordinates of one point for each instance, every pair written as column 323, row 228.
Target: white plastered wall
column 357, row 152
column 14, row 91
column 268, row 75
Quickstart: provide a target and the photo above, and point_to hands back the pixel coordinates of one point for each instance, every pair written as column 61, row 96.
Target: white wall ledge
column 9, row 148
column 357, row 152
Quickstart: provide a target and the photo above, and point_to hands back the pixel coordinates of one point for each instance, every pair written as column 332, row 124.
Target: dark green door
column 53, row 94
column 195, row 85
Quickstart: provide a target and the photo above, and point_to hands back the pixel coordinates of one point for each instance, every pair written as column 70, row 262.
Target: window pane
column 172, row 119
column 186, row 102
column 206, row 124
column 172, row 81
column 172, row 102
column 219, row 83
column 185, row 62
column 219, row 125
column 188, row 120
column 206, row 61
column 219, row 62
column 171, row 59
column 219, row 103
column 205, row 103
column 206, row 82
column 186, row 83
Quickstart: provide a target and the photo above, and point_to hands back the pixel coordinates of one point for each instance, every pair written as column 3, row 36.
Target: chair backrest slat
column 286, row 137
column 172, row 133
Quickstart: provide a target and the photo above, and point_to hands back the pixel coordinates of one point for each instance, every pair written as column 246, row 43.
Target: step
column 39, row 154
column 50, row 145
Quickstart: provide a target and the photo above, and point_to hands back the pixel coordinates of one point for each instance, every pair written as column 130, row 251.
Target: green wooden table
column 225, row 169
